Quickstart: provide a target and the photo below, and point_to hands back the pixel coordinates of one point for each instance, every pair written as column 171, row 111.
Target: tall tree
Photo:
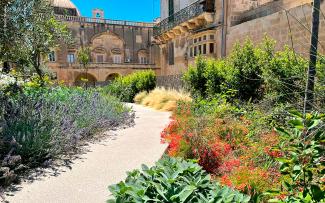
column 30, row 31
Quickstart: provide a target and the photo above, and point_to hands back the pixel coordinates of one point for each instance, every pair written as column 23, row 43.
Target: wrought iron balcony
column 186, row 14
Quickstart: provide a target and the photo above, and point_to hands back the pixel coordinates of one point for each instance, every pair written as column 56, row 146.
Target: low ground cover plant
column 38, row 124
column 126, row 87
column 161, row 98
column 173, row 180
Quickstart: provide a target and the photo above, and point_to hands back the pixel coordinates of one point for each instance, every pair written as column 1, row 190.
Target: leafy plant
column 244, row 61
column 173, row 180
column 125, row 88
column 303, row 163
column 44, row 123
column 195, row 77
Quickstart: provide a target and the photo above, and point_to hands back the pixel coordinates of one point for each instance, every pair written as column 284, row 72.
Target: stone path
column 106, row 163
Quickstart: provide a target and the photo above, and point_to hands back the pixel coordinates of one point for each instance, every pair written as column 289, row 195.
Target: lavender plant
column 44, row 123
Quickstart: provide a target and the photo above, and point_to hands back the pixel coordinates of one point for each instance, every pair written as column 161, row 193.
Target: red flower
column 226, row 181
column 229, row 165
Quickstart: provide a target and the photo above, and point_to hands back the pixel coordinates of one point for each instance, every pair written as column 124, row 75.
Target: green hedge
column 251, row 73
column 173, row 180
column 126, row 87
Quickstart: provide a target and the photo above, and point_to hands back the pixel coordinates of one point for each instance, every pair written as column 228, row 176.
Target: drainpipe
column 223, row 29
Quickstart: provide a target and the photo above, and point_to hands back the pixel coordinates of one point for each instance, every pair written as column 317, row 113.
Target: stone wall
column 278, row 27
column 170, row 82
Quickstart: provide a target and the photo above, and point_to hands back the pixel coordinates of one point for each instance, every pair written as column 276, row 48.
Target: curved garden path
column 106, row 163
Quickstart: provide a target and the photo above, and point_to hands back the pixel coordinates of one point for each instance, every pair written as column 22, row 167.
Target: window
column 204, row 37
column 195, row 51
column 171, row 53
column 143, row 60
column 52, row 56
column 191, row 52
column 200, row 49
column 212, row 37
column 100, row 58
column 200, row 39
column 98, row 15
column 195, row 40
column 71, row 58
column 117, row 59
column 204, row 49
column 211, row 48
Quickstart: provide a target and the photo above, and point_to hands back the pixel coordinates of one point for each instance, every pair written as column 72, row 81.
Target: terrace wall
column 278, row 26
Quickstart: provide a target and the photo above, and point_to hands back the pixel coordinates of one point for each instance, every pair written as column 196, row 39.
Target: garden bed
column 44, row 127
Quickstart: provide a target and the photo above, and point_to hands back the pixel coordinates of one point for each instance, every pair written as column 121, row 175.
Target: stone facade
column 231, row 21
column 117, row 47
column 169, row 46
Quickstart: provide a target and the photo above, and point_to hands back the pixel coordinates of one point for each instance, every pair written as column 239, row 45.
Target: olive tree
column 30, row 31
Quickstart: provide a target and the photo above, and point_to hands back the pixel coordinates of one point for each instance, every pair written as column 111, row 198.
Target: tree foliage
column 29, row 31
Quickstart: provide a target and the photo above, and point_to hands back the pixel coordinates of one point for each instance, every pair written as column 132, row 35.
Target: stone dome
column 67, row 6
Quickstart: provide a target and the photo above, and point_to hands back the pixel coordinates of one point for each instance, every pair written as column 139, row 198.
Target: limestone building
column 117, row 47
column 185, row 29
column 189, row 28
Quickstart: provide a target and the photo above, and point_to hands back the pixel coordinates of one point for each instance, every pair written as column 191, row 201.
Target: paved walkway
column 106, row 163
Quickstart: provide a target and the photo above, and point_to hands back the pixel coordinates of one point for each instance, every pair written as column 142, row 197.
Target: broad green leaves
column 173, row 180
column 302, row 164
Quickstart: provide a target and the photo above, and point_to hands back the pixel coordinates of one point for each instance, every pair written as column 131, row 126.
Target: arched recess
column 85, row 79
column 112, row 77
column 143, row 56
column 113, row 45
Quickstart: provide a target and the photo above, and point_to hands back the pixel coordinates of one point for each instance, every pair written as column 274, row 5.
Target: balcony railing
column 188, row 13
column 103, row 21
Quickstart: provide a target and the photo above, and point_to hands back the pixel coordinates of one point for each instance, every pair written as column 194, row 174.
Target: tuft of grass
column 139, row 97
column 162, row 99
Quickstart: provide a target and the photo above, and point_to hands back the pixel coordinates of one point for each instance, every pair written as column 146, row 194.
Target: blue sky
column 133, row 10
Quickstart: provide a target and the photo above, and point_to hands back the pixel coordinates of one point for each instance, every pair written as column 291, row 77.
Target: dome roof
column 65, row 4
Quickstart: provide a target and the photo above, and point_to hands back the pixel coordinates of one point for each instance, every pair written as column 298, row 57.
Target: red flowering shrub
column 212, row 156
column 169, row 135
column 225, row 147
column 251, row 180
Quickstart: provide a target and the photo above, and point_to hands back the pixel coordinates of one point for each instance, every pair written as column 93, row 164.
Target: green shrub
column 195, row 77
column 254, row 73
column 284, row 73
column 302, row 163
column 46, row 122
column 240, row 72
column 173, row 180
column 244, row 61
column 125, row 88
